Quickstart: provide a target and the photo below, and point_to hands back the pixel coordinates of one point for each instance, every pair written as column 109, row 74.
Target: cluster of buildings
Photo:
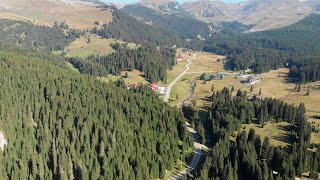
column 246, row 78
column 155, row 87
column 158, row 89
column 216, row 76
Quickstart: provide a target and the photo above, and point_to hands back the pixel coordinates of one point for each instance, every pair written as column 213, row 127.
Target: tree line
column 153, row 62
column 37, row 37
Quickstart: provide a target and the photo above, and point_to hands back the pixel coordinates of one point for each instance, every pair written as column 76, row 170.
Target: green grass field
column 97, row 46
column 135, row 77
column 277, row 132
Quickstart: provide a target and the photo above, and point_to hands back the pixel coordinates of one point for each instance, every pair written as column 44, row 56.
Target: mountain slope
column 36, row 37
column 185, row 27
column 264, row 14
column 296, row 46
column 62, row 125
column 77, row 14
column 129, row 29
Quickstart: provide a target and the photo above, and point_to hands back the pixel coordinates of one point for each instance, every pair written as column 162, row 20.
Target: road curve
column 197, row 145
column 167, row 95
column 196, row 156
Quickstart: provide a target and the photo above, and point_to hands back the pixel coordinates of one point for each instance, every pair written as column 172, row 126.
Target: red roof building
column 154, row 86
column 179, row 58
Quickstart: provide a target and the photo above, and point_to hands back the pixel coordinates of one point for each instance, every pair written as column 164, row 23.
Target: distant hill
column 264, row 14
column 186, row 27
column 129, row 29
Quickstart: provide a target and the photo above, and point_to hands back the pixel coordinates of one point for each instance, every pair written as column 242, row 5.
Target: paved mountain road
column 197, row 145
column 196, row 156
column 167, row 95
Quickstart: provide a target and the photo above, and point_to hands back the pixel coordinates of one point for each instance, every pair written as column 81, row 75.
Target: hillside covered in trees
column 153, row 62
column 63, row 125
column 185, row 27
column 129, row 29
column 250, row 156
column 296, row 46
column 36, row 37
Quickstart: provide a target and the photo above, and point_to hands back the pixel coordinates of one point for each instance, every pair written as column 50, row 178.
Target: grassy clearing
column 315, row 137
column 271, row 86
column 277, row 132
column 205, row 62
column 98, row 46
column 44, row 12
column 135, row 76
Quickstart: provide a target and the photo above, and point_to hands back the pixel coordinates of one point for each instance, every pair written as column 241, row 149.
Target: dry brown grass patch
column 46, row 12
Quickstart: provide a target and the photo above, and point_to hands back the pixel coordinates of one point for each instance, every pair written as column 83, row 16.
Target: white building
column 242, row 76
column 3, row 141
column 162, row 90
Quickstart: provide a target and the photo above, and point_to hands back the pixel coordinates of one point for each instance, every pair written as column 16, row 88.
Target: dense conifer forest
column 154, row 62
column 36, row 37
column 63, row 125
column 250, row 156
column 185, row 27
column 129, row 29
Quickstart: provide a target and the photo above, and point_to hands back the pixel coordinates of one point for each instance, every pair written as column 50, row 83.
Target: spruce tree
column 212, row 88
column 261, row 117
column 260, row 92
column 308, row 92
column 265, row 148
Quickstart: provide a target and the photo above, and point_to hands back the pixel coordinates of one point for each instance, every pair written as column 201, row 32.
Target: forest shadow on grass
column 203, row 116
column 275, row 131
column 286, row 138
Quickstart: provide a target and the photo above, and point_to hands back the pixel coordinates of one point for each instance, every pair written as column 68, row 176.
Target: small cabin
column 242, row 76
column 162, row 90
column 249, row 80
column 154, row 86
column 179, row 58
column 208, row 77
